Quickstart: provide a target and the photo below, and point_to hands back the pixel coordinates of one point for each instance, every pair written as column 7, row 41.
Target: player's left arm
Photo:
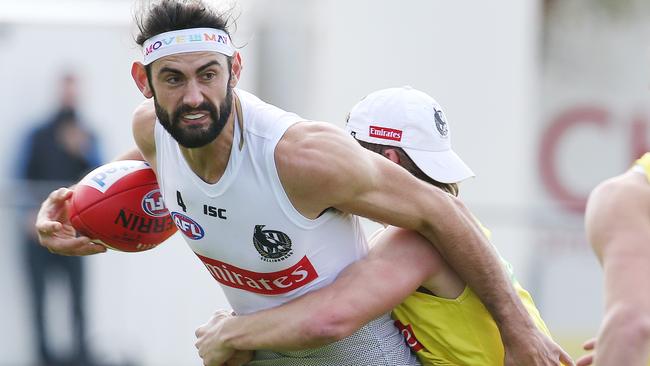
column 320, row 166
column 133, row 154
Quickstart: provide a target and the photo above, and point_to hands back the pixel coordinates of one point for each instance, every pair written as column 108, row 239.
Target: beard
column 196, row 136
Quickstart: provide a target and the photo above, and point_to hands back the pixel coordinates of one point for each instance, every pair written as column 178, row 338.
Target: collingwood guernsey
column 260, row 249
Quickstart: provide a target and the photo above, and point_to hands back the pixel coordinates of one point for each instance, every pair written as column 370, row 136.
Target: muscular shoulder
column 618, row 209
column 626, row 192
column 318, row 164
column 144, row 122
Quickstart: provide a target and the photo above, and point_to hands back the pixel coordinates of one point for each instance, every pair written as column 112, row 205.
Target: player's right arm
column 55, row 232
column 144, row 123
column 618, row 227
column 366, row 289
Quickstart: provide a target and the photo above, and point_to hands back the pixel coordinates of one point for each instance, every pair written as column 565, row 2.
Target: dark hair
column 168, row 15
column 153, row 18
column 407, row 163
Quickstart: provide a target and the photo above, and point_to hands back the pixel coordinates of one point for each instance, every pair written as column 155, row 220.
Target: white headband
column 186, row 40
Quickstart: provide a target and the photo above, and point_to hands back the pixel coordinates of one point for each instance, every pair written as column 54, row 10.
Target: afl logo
column 273, row 245
column 187, row 226
column 153, row 204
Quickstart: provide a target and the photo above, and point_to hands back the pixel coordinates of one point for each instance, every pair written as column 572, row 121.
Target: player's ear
column 139, row 74
column 235, row 70
column 391, row 155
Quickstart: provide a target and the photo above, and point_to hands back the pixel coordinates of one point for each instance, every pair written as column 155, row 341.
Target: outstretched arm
column 366, row 289
column 618, row 227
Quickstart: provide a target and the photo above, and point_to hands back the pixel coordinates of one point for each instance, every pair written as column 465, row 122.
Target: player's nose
column 193, row 95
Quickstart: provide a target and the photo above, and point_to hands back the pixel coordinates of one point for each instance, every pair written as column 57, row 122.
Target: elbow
column 326, row 326
column 444, row 201
column 441, row 210
column 456, row 204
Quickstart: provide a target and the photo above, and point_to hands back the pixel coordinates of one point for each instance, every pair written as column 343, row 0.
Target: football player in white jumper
column 296, row 185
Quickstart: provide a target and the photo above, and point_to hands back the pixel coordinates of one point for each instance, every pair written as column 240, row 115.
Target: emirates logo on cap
column 385, row 133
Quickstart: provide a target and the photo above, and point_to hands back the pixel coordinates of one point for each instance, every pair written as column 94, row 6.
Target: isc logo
column 153, row 204
column 187, row 226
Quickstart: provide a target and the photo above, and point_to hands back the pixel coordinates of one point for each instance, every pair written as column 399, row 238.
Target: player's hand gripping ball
column 119, row 205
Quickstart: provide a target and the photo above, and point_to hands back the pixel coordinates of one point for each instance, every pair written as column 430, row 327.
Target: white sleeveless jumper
column 260, row 249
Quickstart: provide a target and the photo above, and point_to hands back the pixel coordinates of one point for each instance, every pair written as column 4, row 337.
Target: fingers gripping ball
column 120, row 206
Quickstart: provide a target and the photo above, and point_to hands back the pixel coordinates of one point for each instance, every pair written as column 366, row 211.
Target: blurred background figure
column 56, row 153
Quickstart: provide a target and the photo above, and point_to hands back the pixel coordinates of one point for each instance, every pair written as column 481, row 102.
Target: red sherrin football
column 120, row 206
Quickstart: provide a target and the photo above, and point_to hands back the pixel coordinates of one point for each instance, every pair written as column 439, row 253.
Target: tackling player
column 442, row 319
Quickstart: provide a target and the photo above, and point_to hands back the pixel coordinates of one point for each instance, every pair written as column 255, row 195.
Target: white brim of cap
column 442, row 166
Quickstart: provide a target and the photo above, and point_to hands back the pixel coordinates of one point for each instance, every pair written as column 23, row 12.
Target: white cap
column 408, row 118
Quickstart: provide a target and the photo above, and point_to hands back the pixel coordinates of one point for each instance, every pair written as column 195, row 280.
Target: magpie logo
column 273, row 245
column 441, row 124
